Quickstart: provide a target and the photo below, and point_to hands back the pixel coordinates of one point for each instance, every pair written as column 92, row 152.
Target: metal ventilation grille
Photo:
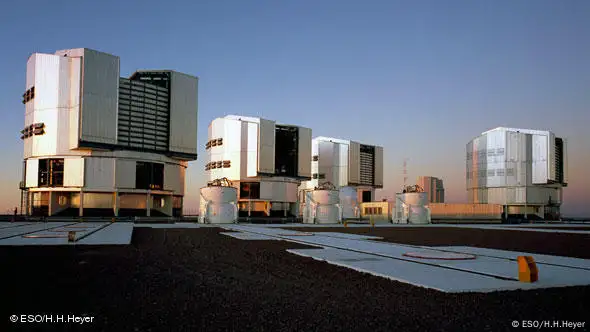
column 367, row 168
column 143, row 115
column 558, row 160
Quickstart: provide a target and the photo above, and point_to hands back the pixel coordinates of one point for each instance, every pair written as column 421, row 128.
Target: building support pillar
column 116, row 203
column 148, row 204
column 50, row 204
column 81, row 209
column 168, row 205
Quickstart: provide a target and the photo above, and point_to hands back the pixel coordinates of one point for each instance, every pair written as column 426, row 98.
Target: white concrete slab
column 115, row 233
column 522, row 227
column 320, row 225
column 439, row 278
column 443, row 280
column 348, row 236
column 248, row 236
column 539, row 258
column 56, row 234
column 25, row 229
column 176, row 225
column 19, row 241
column 15, row 224
column 482, row 266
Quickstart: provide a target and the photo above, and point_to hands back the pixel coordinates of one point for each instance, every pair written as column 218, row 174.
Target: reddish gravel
column 198, row 280
column 561, row 244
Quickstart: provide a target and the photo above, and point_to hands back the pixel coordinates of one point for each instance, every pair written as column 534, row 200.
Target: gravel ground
column 561, row 244
column 198, row 280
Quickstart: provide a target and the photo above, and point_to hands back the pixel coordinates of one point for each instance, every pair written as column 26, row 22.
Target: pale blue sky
column 420, row 78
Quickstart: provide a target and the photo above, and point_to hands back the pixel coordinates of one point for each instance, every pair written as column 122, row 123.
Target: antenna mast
column 405, row 171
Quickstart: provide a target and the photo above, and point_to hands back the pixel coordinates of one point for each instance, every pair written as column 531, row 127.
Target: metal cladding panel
column 132, row 201
column 343, row 165
column 277, row 191
column 496, row 196
column 304, row 152
column 100, row 93
column 465, row 211
column 68, row 94
column 174, row 178
column 290, row 192
column 469, row 165
column 520, row 195
column 72, row 52
column 98, row 200
column 46, row 104
column 314, row 147
column 100, row 174
column 243, row 149
column 74, row 172
column 46, row 144
column 266, row 147
column 542, row 195
column 252, row 149
column 183, row 113
column 540, row 160
column 267, row 191
column 476, row 163
column 46, row 81
column 326, row 154
column 30, row 77
column 231, row 132
column 334, row 175
column 516, row 153
column 354, row 162
column 32, row 173
column 378, row 166
column 482, row 162
column 125, row 174
column 29, row 107
column 75, row 75
column 495, row 158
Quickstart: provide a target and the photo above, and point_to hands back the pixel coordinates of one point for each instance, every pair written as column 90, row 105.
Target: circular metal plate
column 439, row 255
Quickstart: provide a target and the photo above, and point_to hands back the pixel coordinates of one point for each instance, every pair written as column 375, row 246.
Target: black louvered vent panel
column 558, row 160
column 143, row 115
column 367, row 165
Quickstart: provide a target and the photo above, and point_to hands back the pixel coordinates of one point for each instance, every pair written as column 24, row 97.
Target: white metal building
column 266, row 161
column 99, row 144
column 346, row 164
column 521, row 169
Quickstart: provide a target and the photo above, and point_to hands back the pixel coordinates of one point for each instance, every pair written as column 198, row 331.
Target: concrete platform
column 539, row 258
column 349, row 236
column 56, row 233
column 248, row 236
column 11, row 232
column 415, row 274
column 115, row 233
column 176, row 225
column 490, row 271
column 521, row 227
column 16, row 224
